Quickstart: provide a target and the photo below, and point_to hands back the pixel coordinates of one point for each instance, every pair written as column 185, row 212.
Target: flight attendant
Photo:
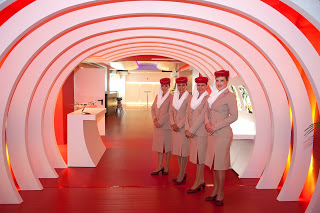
column 195, row 130
column 221, row 112
column 162, row 128
column 177, row 114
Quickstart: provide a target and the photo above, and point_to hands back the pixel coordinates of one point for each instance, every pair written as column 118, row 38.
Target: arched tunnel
column 272, row 45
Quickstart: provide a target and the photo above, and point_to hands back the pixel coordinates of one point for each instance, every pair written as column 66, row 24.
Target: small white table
column 85, row 147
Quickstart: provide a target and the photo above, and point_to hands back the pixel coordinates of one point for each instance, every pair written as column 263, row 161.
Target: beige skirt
column 180, row 144
column 198, row 146
column 218, row 151
column 162, row 140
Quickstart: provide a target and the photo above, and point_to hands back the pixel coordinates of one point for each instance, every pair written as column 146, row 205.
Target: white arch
column 24, row 90
column 205, row 41
column 261, row 13
column 257, row 42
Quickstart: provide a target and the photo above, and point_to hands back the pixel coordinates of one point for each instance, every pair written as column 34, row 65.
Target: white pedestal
column 85, row 147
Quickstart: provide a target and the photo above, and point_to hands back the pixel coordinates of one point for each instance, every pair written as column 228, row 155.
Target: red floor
column 122, row 182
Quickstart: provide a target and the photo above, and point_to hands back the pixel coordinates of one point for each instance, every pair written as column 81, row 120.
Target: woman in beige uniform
column 162, row 128
column 177, row 114
column 195, row 130
column 221, row 112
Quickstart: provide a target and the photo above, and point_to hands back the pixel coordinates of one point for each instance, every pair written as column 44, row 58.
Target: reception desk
column 85, row 147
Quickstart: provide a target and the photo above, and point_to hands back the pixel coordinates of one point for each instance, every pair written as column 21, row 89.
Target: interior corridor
column 122, row 182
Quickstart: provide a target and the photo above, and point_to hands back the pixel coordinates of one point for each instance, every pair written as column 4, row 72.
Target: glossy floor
column 122, row 182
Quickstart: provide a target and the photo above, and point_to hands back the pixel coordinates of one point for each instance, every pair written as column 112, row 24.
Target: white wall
column 89, row 85
column 138, row 83
column 118, row 84
column 106, row 81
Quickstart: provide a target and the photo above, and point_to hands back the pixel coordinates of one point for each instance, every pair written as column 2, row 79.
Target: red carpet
column 122, row 182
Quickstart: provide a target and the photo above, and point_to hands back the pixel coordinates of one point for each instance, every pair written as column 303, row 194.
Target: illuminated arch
column 277, row 26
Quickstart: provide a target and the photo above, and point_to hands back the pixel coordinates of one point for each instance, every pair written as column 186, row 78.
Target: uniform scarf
column 214, row 95
column 195, row 101
column 176, row 103
column 161, row 99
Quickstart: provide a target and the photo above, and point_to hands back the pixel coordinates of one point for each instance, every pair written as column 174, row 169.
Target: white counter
column 85, row 147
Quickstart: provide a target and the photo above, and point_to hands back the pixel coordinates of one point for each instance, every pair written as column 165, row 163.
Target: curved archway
column 307, row 63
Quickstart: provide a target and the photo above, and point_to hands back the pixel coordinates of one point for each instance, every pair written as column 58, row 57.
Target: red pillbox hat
column 201, row 80
column 181, row 80
column 165, row 81
column 221, row 73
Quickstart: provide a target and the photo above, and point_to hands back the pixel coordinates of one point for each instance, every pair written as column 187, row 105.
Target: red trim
column 144, row 58
column 58, row 119
column 185, row 67
column 12, row 9
column 306, row 27
column 311, row 33
column 64, row 106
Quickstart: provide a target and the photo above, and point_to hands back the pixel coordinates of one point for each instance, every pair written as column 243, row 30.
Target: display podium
column 85, row 147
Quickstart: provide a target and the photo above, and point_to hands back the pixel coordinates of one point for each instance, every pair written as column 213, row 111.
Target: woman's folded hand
column 189, row 134
column 156, row 124
column 175, row 128
column 208, row 127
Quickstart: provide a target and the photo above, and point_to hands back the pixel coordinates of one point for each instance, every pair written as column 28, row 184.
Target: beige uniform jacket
column 223, row 112
column 162, row 114
column 180, row 143
column 195, row 119
column 178, row 117
column 195, row 124
column 162, row 136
